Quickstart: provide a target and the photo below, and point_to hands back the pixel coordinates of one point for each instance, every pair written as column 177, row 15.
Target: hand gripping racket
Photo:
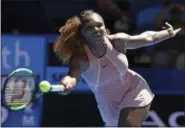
column 20, row 88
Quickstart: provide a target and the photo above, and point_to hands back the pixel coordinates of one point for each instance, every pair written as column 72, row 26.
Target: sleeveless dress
column 114, row 85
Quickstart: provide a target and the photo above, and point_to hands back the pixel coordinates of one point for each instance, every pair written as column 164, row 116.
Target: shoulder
column 118, row 42
column 118, row 36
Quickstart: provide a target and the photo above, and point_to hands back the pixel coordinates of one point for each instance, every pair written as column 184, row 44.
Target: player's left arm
column 147, row 38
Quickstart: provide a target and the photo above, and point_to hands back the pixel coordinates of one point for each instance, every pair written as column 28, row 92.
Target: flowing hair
column 70, row 41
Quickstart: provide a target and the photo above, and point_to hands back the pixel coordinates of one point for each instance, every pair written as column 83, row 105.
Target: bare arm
column 73, row 76
column 147, row 38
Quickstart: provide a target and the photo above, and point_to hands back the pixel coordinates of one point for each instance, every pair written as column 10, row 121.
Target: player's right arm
column 73, row 76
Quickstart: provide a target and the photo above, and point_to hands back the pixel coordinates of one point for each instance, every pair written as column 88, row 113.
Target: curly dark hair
column 70, row 41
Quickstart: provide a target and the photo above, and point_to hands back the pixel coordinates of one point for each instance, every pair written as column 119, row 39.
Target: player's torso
column 110, row 80
column 104, row 73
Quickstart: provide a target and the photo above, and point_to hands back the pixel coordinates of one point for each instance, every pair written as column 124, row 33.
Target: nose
column 96, row 28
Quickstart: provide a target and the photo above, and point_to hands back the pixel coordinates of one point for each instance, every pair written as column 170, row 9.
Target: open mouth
column 97, row 34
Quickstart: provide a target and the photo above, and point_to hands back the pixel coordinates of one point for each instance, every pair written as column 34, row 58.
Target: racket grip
column 57, row 88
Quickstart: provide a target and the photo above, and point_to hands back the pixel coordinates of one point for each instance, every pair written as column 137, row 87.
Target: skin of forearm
column 154, row 38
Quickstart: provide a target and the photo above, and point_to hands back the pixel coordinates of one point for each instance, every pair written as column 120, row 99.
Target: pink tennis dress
column 114, row 85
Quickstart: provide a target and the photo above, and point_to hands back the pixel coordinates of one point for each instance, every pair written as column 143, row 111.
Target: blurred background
column 29, row 28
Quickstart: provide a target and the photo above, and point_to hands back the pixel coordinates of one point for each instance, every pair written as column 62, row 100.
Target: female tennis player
column 123, row 96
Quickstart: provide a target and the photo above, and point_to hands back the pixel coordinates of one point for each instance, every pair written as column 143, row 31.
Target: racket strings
column 19, row 89
column 17, row 95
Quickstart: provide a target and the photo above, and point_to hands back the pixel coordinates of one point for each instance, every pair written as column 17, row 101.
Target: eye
column 89, row 27
column 99, row 25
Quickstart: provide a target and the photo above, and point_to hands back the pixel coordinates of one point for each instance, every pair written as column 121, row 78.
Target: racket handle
column 57, row 88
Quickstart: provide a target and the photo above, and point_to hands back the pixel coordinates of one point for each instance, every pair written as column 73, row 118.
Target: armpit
column 119, row 45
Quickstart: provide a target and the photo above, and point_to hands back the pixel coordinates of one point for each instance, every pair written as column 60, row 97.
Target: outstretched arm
column 147, row 38
column 73, row 76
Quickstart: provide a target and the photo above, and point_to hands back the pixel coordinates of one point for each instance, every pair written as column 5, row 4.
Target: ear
column 107, row 30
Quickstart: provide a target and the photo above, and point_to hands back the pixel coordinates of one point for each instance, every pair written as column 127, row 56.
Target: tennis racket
column 21, row 88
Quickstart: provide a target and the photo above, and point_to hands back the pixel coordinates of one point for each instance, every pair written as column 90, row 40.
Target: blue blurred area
column 164, row 81
column 23, row 52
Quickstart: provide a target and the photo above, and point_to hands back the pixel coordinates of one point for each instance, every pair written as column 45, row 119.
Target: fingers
column 168, row 25
column 67, row 87
column 177, row 31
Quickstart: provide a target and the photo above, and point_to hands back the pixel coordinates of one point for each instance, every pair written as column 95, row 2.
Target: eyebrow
column 92, row 22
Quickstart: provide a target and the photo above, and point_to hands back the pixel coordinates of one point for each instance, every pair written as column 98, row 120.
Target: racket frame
column 5, row 84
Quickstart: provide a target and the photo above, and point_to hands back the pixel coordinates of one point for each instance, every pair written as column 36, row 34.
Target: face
column 94, row 30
